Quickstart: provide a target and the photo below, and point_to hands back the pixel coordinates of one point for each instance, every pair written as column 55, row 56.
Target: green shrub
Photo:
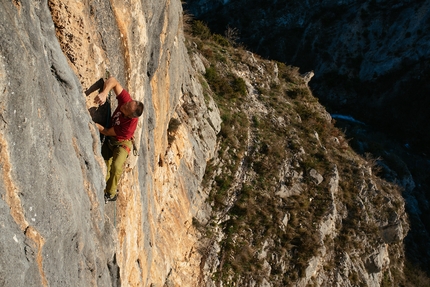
column 255, row 121
column 288, row 73
column 297, row 92
column 207, row 53
column 201, row 30
column 220, row 40
column 211, row 74
column 239, row 86
column 219, row 84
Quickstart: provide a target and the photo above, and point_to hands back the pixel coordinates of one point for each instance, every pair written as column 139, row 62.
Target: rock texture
column 55, row 228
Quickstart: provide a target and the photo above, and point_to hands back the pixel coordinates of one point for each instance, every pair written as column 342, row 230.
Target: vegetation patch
column 274, row 137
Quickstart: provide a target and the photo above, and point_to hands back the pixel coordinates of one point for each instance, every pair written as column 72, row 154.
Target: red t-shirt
column 124, row 127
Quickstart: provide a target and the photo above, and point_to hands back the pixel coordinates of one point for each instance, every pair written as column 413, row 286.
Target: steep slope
column 292, row 204
column 371, row 61
column 370, row 57
column 288, row 201
column 56, row 229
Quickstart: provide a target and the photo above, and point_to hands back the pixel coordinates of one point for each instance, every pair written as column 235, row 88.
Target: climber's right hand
column 100, row 99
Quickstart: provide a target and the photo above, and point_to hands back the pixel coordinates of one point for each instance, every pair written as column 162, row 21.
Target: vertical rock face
column 52, row 215
column 54, row 227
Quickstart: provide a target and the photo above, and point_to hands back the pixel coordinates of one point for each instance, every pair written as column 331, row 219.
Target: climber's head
column 132, row 109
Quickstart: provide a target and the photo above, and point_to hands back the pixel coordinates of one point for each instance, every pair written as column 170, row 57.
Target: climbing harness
column 126, row 148
column 112, row 146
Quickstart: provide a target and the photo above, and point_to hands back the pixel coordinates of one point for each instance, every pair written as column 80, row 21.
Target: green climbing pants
column 115, row 154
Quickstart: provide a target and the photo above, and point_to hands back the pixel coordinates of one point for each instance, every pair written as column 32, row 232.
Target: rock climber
column 118, row 144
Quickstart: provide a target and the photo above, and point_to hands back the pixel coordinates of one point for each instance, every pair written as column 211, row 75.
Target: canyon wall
column 370, row 58
column 292, row 203
column 55, row 227
column 283, row 201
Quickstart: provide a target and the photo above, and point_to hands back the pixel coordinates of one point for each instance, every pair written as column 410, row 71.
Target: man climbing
column 118, row 144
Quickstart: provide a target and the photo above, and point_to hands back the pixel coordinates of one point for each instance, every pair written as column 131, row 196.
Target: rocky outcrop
column 56, row 229
column 370, row 60
column 292, row 204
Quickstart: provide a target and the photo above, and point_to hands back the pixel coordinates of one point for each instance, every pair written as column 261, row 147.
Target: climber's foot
column 108, row 197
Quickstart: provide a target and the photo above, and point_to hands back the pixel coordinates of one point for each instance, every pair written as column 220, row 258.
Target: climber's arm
column 110, row 84
column 105, row 131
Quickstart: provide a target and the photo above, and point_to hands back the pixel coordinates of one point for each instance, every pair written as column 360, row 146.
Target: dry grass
column 259, row 145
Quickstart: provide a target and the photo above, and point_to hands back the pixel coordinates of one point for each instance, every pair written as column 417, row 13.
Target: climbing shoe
column 109, row 198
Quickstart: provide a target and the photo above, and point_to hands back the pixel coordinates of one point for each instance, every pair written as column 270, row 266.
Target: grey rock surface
column 53, row 228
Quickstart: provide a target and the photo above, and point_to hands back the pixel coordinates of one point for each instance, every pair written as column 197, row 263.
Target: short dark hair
column 139, row 109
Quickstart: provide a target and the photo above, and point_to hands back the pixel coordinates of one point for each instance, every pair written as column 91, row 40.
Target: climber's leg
column 120, row 155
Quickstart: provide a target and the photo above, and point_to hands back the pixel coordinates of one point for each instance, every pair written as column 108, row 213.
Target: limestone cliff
column 55, row 228
column 283, row 201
